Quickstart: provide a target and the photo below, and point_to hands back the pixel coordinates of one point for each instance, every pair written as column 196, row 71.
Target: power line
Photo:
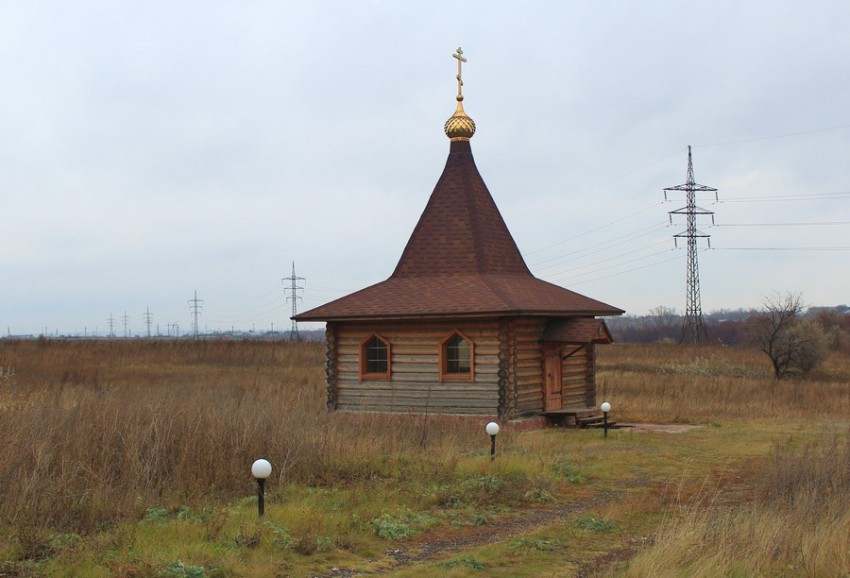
column 599, row 247
column 812, row 224
column 781, row 249
column 594, row 230
column 618, row 256
column 776, row 136
column 610, row 266
column 794, row 197
column 632, row 270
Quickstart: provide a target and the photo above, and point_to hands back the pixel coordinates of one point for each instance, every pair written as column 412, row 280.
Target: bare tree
column 791, row 343
column 663, row 316
column 665, row 321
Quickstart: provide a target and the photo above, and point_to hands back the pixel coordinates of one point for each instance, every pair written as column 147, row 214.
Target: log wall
column 591, row 372
column 330, row 367
column 508, row 372
column 415, row 384
column 527, row 355
column 577, row 389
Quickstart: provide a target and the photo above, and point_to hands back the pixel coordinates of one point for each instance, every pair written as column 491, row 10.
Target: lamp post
column 492, row 429
column 261, row 469
column 605, row 407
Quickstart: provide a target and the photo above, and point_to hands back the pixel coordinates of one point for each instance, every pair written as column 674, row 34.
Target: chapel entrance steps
column 576, row 418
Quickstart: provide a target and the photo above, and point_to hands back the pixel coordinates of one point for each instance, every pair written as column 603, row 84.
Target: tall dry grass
column 665, row 382
column 797, row 525
column 94, row 431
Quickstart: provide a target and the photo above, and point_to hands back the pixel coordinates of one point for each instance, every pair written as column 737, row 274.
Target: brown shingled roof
column 577, row 330
column 461, row 229
column 460, row 260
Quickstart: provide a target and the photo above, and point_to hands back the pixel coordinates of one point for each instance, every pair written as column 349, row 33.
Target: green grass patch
column 463, row 562
column 400, row 525
column 536, row 544
column 596, row 525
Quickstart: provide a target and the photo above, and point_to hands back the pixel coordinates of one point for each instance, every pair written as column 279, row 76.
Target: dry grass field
column 132, row 458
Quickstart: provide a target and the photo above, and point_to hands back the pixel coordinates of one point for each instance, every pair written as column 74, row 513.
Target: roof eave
column 464, row 315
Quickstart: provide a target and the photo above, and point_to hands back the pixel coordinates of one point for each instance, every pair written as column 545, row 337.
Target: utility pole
column 111, row 323
column 693, row 329
column 148, row 319
column 195, row 306
column 293, row 289
column 126, row 319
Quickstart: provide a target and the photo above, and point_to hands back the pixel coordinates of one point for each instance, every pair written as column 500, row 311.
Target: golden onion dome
column 459, row 126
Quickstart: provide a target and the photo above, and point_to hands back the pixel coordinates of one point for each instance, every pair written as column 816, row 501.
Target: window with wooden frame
column 457, row 358
column 375, row 358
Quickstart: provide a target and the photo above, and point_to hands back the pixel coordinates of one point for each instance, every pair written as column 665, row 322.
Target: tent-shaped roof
column 461, row 260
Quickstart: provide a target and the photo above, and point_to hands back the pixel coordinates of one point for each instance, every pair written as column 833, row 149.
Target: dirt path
column 435, row 546
column 732, row 486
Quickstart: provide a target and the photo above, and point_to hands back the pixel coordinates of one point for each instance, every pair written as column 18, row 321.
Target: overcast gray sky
column 148, row 150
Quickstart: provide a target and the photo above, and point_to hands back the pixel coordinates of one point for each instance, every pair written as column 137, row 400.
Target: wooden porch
column 576, row 417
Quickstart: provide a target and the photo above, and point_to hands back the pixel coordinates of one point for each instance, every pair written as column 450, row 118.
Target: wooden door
column 552, row 383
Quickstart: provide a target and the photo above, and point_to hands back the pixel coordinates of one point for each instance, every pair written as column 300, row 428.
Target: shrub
column 538, row 495
column 566, row 469
column 812, row 346
column 155, row 514
column 178, row 568
column 399, row 526
column 596, row 525
column 536, row 544
column 464, row 562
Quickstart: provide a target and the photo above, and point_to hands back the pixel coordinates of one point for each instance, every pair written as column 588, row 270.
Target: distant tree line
column 783, row 321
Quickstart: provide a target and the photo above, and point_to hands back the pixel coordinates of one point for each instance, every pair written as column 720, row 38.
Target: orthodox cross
column 460, row 59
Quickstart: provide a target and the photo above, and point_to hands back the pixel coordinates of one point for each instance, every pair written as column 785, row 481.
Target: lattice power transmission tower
column 693, row 329
column 148, row 320
column 195, row 305
column 293, row 290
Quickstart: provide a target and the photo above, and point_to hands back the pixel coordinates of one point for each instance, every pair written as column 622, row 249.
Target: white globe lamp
column 492, row 429
column 605, row 407
column 261, row 469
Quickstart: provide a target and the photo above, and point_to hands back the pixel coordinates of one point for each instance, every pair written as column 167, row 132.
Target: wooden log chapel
column 462, row 326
